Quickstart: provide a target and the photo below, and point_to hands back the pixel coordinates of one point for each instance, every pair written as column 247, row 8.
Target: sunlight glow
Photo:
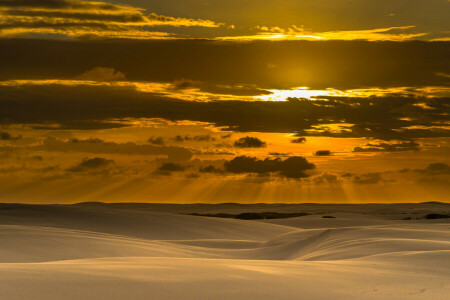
column 299, row 92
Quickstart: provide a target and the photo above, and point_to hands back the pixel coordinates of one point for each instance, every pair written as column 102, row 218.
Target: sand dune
column 148, row 225
column 85, row 252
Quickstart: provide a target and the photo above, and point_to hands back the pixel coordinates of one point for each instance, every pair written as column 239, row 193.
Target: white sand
column 84, row 252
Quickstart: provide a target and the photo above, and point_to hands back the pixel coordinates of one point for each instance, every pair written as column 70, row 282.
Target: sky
column 208, row 101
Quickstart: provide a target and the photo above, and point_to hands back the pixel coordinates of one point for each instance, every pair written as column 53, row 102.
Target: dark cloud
column 369, row 178
column 203, row 138
column 438, row 168
column 6, row 136
column 182, row 84
column 91, row 164
column 178, row 138
column 435, row 174
column 210, row 169
column 328, row 63
column 122, row 17
column 292, row 167
column 96, row 107
column 58, row 4
column 326, row 178
column 299, row 140
column 159, row 140
column 195, row 138
column 237, row 90
column 279, row 153
column 63, row 25
column 99, row 146
column 102, row 74
column 249, row 142
column 213, row 152
column 192, row 176
column 431, row 169
column 171, row 167
column 388, row 147
column 323, row 153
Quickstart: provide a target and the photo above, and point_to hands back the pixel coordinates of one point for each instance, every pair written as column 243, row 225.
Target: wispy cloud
column 299, row 33
column 74, row 18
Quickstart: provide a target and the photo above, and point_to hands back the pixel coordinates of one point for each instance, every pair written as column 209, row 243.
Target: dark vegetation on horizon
column 253, row 215
column 436, row 216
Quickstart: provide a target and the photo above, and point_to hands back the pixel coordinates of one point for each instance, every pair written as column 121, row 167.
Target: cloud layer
column 292, row 167
column 77, row 18
column 257, row 65
column 98, row 146
column 92, row 106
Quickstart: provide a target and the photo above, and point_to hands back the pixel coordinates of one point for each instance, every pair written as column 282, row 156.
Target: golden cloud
column 299, row 33
column 82, row 18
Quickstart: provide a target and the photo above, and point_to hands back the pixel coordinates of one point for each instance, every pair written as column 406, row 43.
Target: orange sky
column 193, row 101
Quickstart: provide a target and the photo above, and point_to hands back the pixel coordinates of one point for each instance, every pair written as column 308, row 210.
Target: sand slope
column 73, row 252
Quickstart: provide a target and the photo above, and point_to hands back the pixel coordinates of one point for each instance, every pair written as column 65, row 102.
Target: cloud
column 438, row 168
column 91, row 164
column 323, row 153
column 279, row 153
column 249, row 142
column 388, row 147
column 171, row 167
column 219, row 89
column 86, row 102
column 76, row 18
column 359, row 19
column 431, row 169
column 299, row 140
column 435, row 174
column 98, row 146
column 203, row 138
column 155, row 20
column 159, row 140
column 95, row 106
column 6, row 136
column 369, row 178
column 178, row 138
column 326, row 178
column 60, row 4
column 102, row 74
column 299, row 33
column 245, row 64
column 213, row 152
column 292, row 167
column 123, row 17
column 210, row 169
column 195, row 138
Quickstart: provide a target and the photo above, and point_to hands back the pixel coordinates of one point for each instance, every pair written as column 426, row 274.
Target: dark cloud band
column 267, row 65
